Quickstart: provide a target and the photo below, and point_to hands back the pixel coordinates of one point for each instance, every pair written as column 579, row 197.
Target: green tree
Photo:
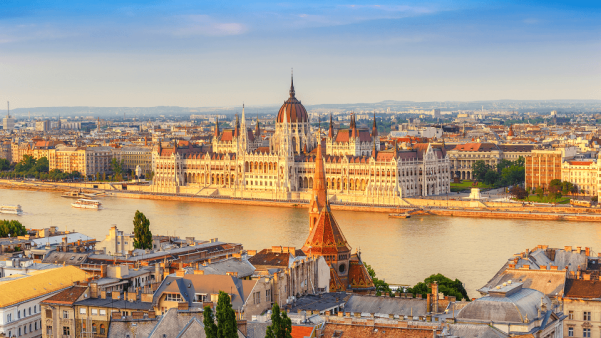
column 42, row 165
column 4, row 164
column 540, row 193
column 446, row 285
column 479, row 170
column 518, row 192
column 142, row 234
column 227, row 327
column 12, row 228
column 209, row 323
column 381, row 285
column 491, row 177
column 281, row 325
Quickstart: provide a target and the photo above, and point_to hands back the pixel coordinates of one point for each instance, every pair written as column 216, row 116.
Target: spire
column 292, row 84
column 331, row 129
column 354, row 126
column 237, row 127
column 257, row 128
column 217, row 127
column 374, row 129
column 320, row 194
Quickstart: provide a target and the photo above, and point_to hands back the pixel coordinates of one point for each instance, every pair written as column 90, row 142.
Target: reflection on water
column 403, row 251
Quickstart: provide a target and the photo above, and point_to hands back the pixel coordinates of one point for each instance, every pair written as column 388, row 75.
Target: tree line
column 504, row 174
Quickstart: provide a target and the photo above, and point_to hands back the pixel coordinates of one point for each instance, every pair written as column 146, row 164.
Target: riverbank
column 415, row 206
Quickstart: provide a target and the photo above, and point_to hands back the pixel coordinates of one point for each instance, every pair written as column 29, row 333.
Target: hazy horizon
column 183, row 54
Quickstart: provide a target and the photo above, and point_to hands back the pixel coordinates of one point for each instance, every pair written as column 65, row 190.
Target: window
column 102, row 329
column 268, row 296
column 173, row 297
column 587, row 315
column 30, row 311
column 35, row 326
column 65, row 314
column 571, row 332
column 48, row 313
column 93, row 328
column 571, row 315
column 94, row 312
column 103, row 312
column 19, row 332
column 82, row 311
column 257, row 297
column 19, row 314
column 586, row 333
column 66, row 331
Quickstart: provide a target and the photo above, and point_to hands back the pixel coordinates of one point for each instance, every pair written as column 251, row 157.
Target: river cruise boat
column 405, row 215
column 73, row 194
column 11, row 209
column 86, row 204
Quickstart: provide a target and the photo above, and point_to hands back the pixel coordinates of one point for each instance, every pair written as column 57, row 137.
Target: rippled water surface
column 403, row 251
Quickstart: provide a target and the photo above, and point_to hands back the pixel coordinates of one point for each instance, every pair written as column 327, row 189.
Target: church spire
column 374, row 129
column 331, row 128
column 292, row 93
column 217, row 127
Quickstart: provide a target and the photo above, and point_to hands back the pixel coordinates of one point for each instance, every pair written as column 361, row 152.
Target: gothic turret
column 331, row 128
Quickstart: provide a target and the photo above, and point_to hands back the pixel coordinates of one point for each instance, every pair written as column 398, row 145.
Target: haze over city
column 188, row 54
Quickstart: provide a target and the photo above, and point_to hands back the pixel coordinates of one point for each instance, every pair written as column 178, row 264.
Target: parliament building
column 238, row 163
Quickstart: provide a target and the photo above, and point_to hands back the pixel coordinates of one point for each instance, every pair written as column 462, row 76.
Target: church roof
column 294, row 110
column 326, row 238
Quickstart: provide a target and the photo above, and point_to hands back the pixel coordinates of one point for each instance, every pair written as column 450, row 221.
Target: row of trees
column 12, row 228
column 29, row 167
column 223, row 323
column 446, row 285
column 557, row 189
column 505, row 173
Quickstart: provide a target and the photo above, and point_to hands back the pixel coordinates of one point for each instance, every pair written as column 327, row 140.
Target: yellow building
column 582, row 306
column 583, row 174
column 21, row 295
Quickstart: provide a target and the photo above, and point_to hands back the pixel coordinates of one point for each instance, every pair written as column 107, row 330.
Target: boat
column 405, row 215
column 11, row 209
column 73, row 194
column 86, row 204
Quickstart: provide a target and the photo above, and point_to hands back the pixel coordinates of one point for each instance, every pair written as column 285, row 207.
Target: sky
column 223, row 53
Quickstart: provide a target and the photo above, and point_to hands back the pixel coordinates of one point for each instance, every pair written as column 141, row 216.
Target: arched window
column 102, row 329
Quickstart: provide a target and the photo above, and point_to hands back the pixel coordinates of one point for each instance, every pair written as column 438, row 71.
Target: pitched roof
column 43, row 283
column 578, row 288
column 301, row 331
column 326, row 238
column 476, row 147
column 68, row 296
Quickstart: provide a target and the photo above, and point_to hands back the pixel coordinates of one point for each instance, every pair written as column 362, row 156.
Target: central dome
column 295, row 112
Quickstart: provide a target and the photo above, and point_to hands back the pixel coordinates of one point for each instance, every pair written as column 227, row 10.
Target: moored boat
column 405, row 215
column 86, row 204
column 73, row 194
column 11, row 209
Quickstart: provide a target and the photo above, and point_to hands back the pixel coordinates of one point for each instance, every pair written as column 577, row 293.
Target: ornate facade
column 238, row 165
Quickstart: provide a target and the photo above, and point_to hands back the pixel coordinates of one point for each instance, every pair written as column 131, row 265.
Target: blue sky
column 218, row 53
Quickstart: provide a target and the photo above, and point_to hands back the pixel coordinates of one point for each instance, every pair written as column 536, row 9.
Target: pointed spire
column 292, row 84
column 320, row 194
column 257, row 128
column 217, row 127
column 374, row 129
column 354, row 126
column 237, row 127
column 331, row 129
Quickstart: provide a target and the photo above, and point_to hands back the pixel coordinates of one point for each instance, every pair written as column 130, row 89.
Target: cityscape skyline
column 181, row 54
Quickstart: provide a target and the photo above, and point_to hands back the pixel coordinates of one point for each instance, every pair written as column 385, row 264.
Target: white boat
column 11, row 209
column 86, row 204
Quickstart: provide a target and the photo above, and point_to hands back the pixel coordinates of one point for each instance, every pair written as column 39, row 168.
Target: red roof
column 580, row 162
column 301, row 331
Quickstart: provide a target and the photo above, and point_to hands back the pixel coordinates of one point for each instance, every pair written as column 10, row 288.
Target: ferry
column 11, row 209
column 405, row 215
column 86, row 204
column 73, row 194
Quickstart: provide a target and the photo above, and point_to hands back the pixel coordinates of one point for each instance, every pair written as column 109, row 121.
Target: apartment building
column 88, row 161
column 132, row 157
column 543, row 166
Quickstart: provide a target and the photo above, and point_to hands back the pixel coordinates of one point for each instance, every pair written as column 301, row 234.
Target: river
column 402, row 251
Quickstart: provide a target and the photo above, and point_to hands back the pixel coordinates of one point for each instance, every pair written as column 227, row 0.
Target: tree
column 142, row 234
column 42, row 165
column 12, row 228
column 540, row 192
column 281, row 325
column 209, row 323
column 4, row 164
column 227, row 327
column 381, row 285
column 518, row 192
column 446, row 285
column 479, row 170
column 491, row 177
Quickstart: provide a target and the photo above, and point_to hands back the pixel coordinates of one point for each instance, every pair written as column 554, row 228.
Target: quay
column 413, row 206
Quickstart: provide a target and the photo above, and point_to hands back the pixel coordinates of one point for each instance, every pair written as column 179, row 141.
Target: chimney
column 435, row 296
column 587, row 251
column 180, row 273
column 103, row 294
column 578, row 249
column 242, row 327
column 567, row 248
column 429, row 302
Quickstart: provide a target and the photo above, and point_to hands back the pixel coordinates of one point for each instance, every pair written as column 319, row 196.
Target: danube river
column 402, row 251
